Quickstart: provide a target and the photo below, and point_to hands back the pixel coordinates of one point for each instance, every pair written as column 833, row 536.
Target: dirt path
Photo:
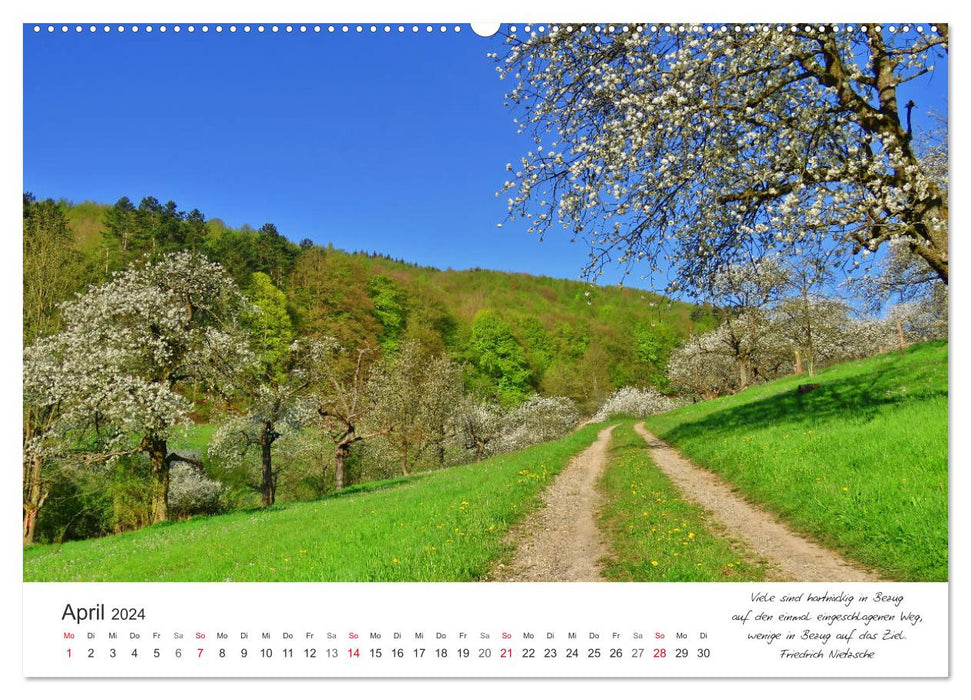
column 561, row 541
column 791, row 557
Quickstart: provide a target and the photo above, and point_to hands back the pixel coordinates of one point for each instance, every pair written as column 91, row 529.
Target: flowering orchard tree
column 279, row 402
column 816, row 328
column 192, row 493
column 478, row 424
column 634, row 401
column 128, row 347
column 340, row 400
column 693, row 147
column 702, row 368
column 869, row 336
column 921, row 319
column 42, row 440
column 414, row 395
column 749, row 342
column 538, row 419
column 740, row 287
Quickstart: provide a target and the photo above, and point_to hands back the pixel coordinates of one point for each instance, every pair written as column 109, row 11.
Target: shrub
column 538, row 419
column 191, row 492
column 635, row 402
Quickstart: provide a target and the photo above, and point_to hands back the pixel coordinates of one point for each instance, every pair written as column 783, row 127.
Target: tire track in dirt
column 790, row 557
column 561, row 540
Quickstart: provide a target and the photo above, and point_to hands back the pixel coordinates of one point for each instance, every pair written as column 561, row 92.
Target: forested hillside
column 176, row 366
column 517, row 334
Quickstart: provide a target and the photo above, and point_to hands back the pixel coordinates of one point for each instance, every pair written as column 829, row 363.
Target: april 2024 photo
column 580, row 303
column 491, row 319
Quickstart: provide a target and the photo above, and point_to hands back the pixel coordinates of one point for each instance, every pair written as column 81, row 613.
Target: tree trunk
column 743, row 378
column 900, row 335
column 268, row 488
column 340, row 456
column 797, row 369
column 34, row 499
column 157, row 452
column 932, row 227
column 404, row 463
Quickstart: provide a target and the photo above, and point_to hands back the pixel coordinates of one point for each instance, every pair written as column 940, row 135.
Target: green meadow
column 442, row 526
column 860, row 463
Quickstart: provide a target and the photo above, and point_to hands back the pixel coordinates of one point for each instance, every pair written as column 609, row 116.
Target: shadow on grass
column 858, row 397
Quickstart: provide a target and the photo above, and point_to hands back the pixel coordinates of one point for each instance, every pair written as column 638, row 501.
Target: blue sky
column 387, row 142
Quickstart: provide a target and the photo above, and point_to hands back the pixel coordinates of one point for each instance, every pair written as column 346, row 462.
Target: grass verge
column 655, row 535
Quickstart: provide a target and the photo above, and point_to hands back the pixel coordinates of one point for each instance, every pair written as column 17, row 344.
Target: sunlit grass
column 442, row 526
column 860, row 463
column 654, row 534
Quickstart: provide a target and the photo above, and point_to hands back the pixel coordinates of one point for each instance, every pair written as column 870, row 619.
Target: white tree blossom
column 537, row 419
column 702, row 368
column 690, row 148
column 817, row 330
column 278, row 402
column 638, row 402
column 478, row 425
column 127, row 348
column 922, row 319
column 193, row 493
column 414, row 396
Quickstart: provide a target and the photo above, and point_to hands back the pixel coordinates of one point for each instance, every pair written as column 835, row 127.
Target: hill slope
column 558, row 337
column 860, row 463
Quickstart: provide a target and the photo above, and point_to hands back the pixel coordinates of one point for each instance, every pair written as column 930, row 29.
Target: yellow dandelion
column 653, row 562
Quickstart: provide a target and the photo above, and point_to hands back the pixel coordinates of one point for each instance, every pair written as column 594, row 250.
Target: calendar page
column 550, row 349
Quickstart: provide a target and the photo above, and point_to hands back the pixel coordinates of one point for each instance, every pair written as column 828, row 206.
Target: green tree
column 498, row 360
column 270, row 324
column 53, row 267
column 274, row 254
column 121, row 237
column 390, row 308
column 329, row 290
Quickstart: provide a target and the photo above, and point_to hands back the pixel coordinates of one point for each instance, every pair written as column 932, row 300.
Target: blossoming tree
column 279, row 402
column 115, row 377
column 341, row 401
column 414, row 394
column 693, row 147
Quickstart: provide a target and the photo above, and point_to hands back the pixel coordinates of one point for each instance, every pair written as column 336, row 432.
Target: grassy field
column 859, row 463
column 654, row 534
column 441, row 526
